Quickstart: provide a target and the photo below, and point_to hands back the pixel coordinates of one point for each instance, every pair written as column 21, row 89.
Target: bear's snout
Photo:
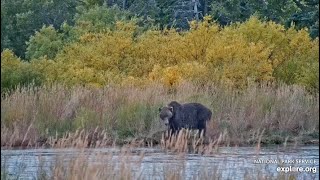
column 166, row 121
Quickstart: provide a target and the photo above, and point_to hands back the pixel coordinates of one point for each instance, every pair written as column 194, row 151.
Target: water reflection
column 228, row 162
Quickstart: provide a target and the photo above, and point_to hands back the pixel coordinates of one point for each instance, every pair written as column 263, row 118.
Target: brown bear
column 189, row 116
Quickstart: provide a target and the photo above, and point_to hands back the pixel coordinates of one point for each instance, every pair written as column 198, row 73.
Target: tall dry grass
column 264, row 114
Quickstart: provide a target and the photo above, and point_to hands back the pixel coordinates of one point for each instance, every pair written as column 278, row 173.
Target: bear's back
column 203, row 113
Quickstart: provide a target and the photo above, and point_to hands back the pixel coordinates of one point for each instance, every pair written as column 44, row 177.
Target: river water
column 226, row 163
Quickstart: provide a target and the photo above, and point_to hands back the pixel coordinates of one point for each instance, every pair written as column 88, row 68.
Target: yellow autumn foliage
column 253, row 51
column 9, row 61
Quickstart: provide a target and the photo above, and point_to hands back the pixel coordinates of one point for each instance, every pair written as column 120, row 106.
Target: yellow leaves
column 45, row 67
column 233, row 60
column 9, row 60
column 159, row 47
column 155, row 74
column 173, row 75
column 207, row 19
column 133, row 81
column 89, row 37
column 232, row 55
column 126, row 26
column 300, row 42
column 169, row 76
column 84, row 76
column 193, row 25
column 194, row 71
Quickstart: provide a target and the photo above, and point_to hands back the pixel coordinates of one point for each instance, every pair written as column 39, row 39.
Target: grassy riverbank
column 116, row 115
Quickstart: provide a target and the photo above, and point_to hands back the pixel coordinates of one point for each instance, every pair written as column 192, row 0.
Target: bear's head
column 166, row 114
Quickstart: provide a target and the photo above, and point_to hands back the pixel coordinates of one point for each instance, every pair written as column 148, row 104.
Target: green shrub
column 134, row 119
column 15, row 72
column 86, row 119
column 47, row 42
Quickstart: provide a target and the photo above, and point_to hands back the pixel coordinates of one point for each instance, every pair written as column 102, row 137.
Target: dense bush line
column 236, row 55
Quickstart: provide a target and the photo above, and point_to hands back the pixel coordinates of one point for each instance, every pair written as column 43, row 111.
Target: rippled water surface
column 228, row 162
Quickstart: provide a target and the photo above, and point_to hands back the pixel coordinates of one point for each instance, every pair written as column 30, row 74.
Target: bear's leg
column 202, row 129
column 202, row 132
column 173, row 130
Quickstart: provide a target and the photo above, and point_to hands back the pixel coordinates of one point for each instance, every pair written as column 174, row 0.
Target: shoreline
column 143, row 143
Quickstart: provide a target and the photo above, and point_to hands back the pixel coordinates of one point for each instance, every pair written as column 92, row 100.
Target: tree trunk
column 205, row 7
column 124, row 4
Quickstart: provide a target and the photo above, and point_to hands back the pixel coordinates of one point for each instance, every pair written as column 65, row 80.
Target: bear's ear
column 171, row 108
column 160, row 109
